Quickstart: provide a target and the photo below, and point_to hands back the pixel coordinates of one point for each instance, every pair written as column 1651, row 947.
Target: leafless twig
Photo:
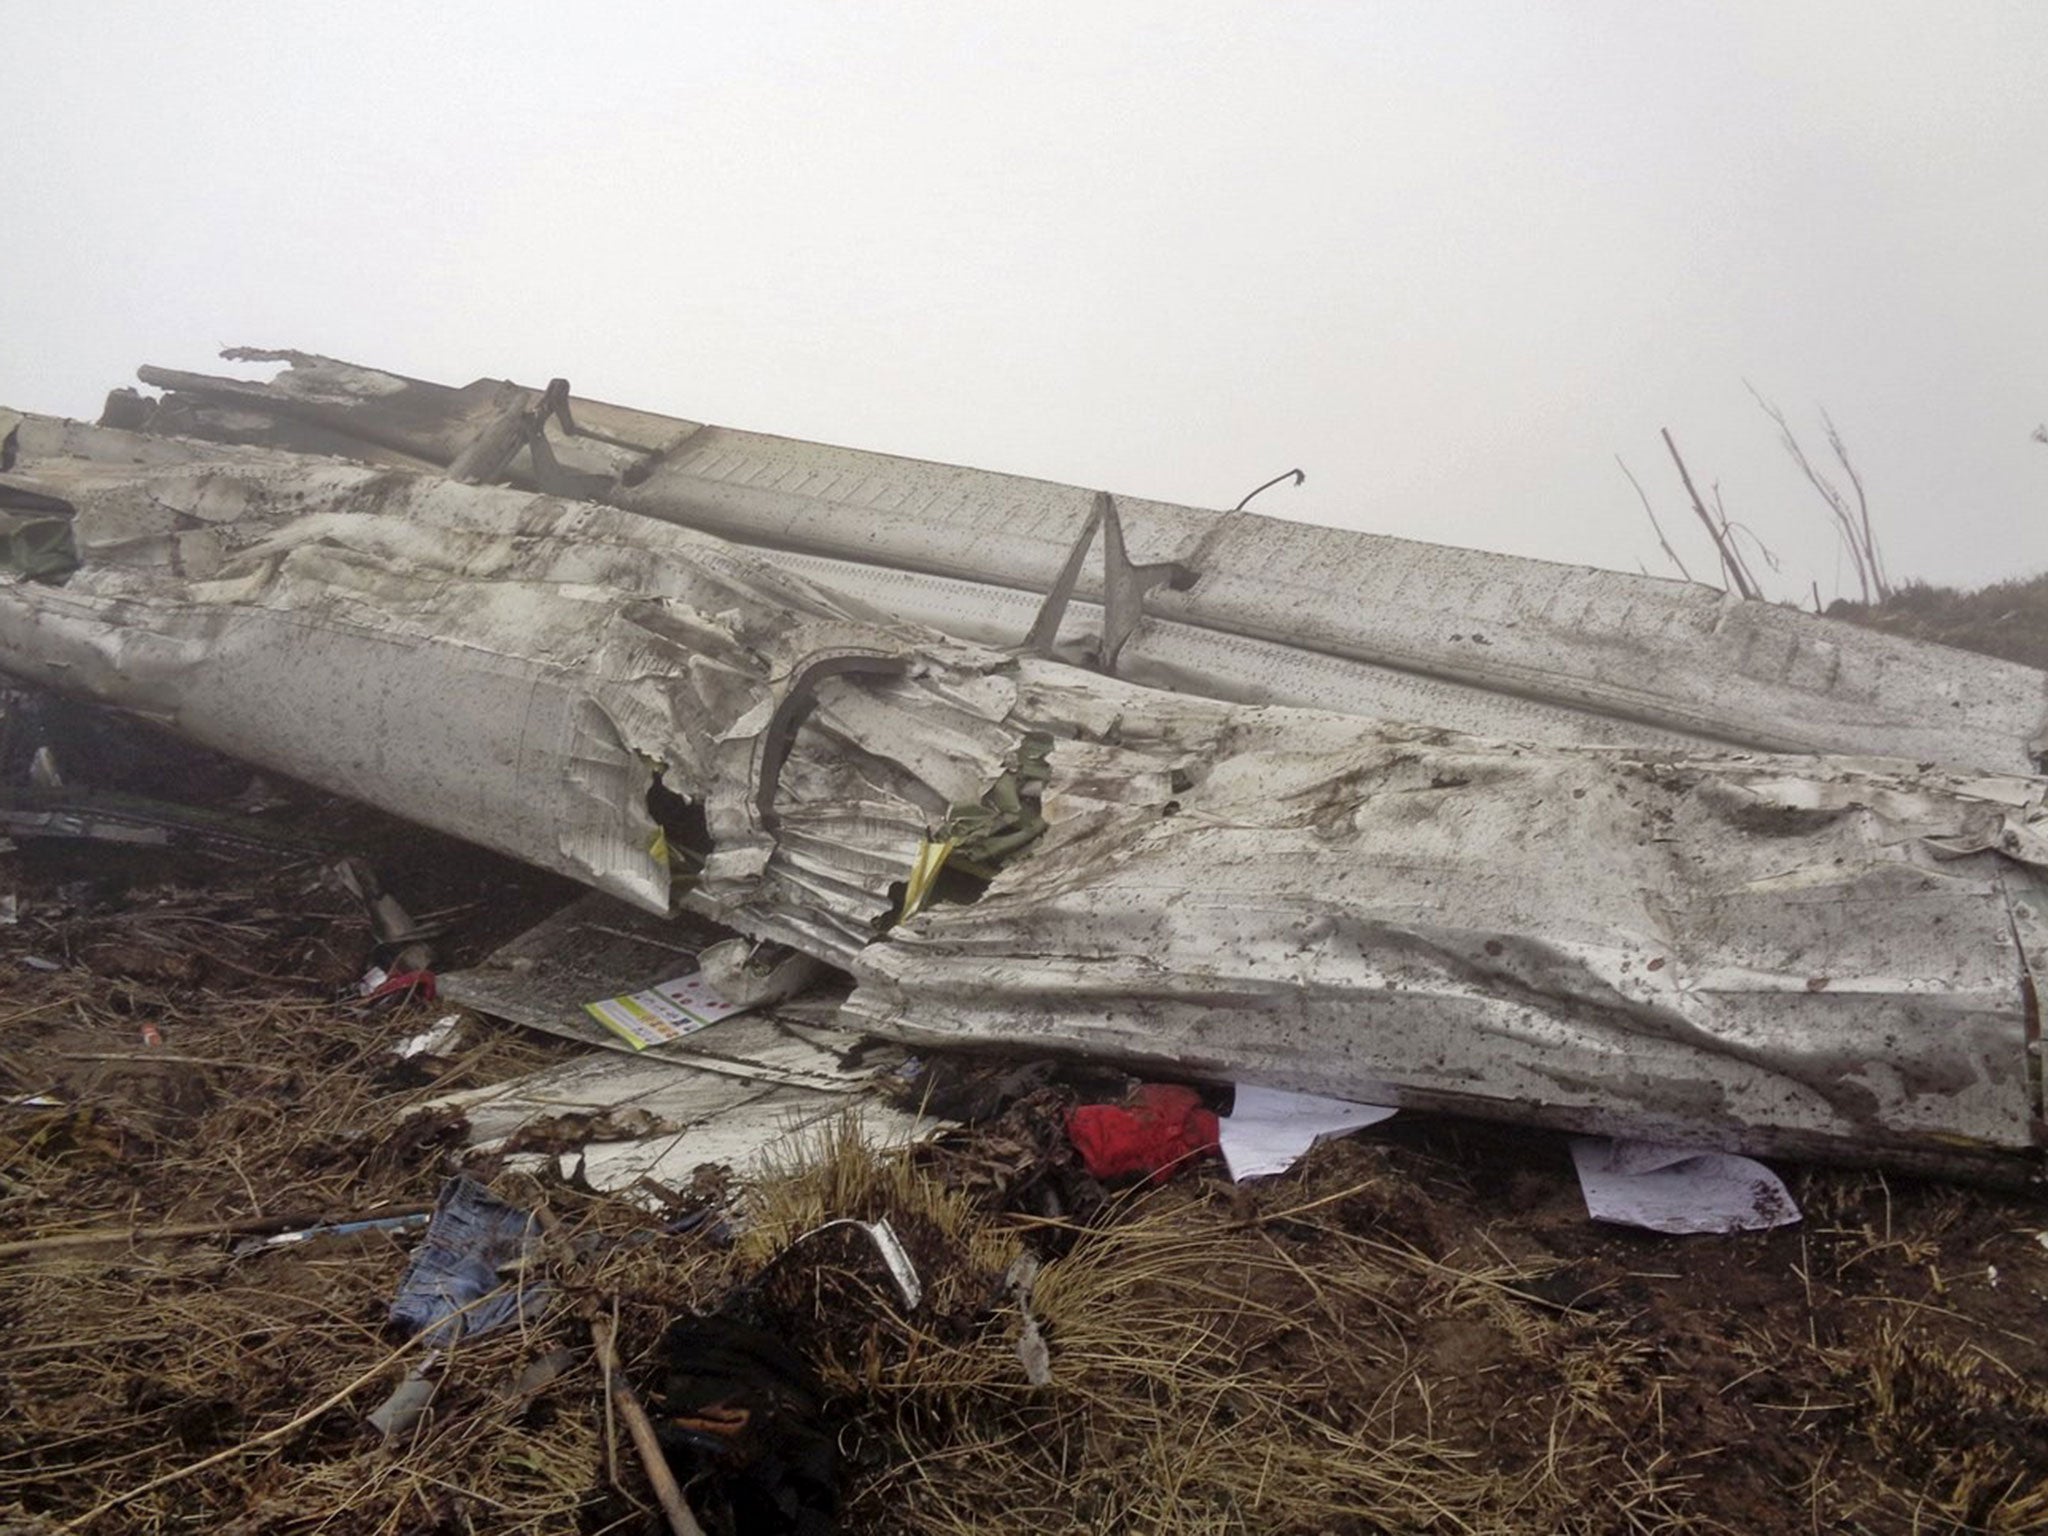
column 1643, row 496
column 681, row 1520
column 1852, row 520
column 1733, row 566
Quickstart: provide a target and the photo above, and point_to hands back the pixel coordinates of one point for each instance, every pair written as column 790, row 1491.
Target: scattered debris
column 1032, row 1352
column 394, row 926
column 619, row 1395
column 1679, row 1189
column 666, row 1011
column 468, row 1275
column 742, row 974
column 386, row 987
column 597, row 945
column 410, row 1401
column 742, row 1416
column 43, row 772
column 438, row 1039
column 822, row 834
column 103, row 816
column 901, row 1270
column 1164, row 880
column 1268, row 1129
column 1162, row 1127
column 1433, row 1263
column 401, row 1223
column 970, row 1090
column 289, row 1228
column 649, row 1124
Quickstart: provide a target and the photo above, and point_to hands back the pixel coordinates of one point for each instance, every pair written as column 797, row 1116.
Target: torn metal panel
column 1769, row 953
column 322, row 405
column 707, row 1117
column 746, row 1093
column 1579, row 645
column 513, row 669
column 598, row 947
column 1665, row 654
column 1743, row 952
column 1193, row 659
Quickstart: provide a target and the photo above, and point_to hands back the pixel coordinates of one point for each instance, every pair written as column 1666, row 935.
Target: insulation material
column 1738, row 952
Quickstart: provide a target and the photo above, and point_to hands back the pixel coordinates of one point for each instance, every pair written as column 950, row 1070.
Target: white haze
column 1449, row 258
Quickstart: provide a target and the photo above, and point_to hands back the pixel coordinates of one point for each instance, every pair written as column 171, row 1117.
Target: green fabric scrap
column 986, row 834
column 37, row 545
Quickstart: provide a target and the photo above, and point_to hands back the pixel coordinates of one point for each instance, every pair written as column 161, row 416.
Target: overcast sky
column 1450, row 258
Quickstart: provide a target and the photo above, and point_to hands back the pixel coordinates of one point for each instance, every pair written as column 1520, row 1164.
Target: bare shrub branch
column 1644, row 497
column 1852, row 521
column 1733, row 567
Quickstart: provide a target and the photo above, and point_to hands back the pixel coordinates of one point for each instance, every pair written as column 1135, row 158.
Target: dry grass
column 1219, row 1363
column 131, row 1360
column 1314, row 1356
column 1414, row 1332
column 1343, row 1350
column 2007, row 618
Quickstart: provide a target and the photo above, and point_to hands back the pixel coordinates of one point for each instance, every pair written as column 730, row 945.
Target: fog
column 1450, row 259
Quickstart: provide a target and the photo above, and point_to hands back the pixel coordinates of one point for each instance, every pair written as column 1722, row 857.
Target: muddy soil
column 1416, row 1329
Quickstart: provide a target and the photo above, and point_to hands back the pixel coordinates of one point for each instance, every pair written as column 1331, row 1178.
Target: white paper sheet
column 1678, row 1189
column 433, row 1041
column 1268, row 1129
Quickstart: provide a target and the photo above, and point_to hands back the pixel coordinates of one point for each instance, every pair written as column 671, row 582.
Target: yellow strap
column 924, row 873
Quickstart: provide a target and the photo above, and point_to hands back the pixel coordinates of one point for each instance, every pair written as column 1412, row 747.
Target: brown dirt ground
column 1415, row 1330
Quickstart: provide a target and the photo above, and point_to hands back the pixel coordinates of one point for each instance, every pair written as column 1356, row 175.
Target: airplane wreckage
column 1043, row 769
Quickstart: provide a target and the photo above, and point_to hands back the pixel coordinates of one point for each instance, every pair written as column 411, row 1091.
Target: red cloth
column 405, row 986
column 1163, row 1126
